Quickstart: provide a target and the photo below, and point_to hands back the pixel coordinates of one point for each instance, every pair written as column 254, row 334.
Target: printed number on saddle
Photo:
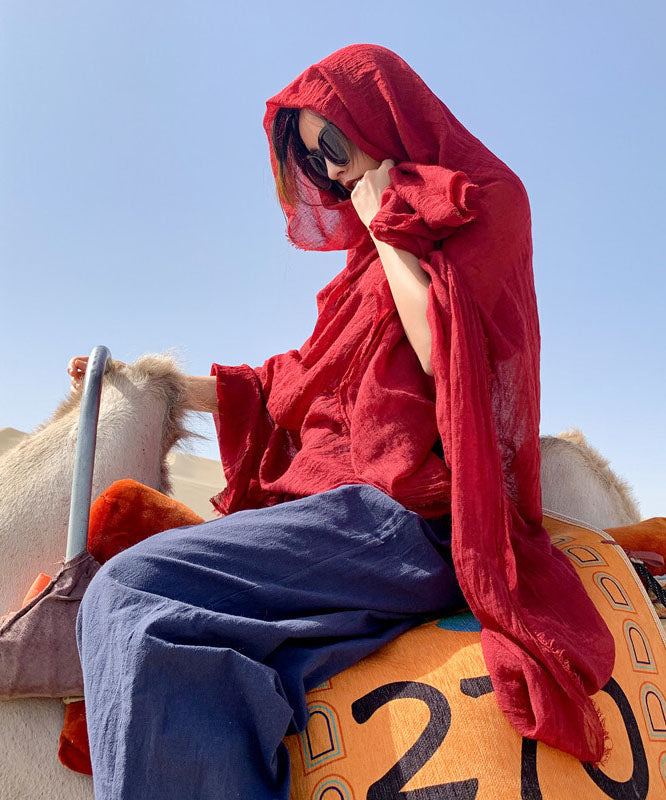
column 390, row 785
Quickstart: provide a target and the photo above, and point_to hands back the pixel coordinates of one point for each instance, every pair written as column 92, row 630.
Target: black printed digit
column 529, row 779
column 389, row 786
column 636, row 787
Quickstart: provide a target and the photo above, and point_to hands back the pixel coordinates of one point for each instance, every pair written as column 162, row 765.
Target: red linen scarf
column 354, row 405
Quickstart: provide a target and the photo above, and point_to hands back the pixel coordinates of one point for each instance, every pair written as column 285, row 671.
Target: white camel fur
column 140, row 420
column 576, row 481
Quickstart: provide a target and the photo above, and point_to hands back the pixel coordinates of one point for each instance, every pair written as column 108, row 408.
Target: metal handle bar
column 84, row 460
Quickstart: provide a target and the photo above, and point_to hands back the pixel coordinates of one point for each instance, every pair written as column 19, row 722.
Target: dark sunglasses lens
column 315, row 169
column 332, row 147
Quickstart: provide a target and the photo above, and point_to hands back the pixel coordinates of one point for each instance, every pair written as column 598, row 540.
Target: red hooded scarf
column 353, row 404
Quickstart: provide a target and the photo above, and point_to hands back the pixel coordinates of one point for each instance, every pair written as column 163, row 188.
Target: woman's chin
column 342, row 191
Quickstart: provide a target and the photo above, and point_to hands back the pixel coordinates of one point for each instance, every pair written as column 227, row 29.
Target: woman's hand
column 77, row 369
column 367, row 194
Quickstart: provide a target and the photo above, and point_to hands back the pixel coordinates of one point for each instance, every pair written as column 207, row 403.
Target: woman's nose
column 334, row 170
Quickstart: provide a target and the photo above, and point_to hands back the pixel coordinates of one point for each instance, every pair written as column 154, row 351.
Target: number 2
column 389, row 786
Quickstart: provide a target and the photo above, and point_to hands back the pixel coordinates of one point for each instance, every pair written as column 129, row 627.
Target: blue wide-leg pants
column 199, row 643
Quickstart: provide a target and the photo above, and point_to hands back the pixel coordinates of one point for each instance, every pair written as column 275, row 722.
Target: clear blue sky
column 137, row 204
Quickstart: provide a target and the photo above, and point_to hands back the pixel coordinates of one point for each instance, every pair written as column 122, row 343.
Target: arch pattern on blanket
column 420, row 713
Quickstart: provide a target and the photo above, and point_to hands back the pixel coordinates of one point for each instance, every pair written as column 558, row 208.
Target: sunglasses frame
column 322, row 154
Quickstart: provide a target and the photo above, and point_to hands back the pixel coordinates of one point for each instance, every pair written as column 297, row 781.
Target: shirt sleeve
column 243, row 427
column 422, row 206
column 248, row 417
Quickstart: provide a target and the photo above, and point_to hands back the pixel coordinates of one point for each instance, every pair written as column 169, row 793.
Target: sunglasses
column 331, row 148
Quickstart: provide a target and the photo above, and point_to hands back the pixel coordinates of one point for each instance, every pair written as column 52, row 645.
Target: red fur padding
column 648, row 535
column 125, row 514
column 128, row 512
column 40, row 583
column 73, row 751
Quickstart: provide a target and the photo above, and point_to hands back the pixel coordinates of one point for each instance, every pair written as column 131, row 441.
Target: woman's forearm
column 201, row 393
column 409, row 287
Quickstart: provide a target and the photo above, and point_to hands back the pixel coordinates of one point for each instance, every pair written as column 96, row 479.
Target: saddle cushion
column 38, row 653
column 123, row 515
column 646, row 536
column 419, row 716
column 128, row 512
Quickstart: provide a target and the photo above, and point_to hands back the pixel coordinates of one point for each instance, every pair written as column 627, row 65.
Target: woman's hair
column 291, row 155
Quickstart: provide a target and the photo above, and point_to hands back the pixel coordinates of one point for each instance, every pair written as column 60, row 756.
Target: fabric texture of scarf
column 353, row 404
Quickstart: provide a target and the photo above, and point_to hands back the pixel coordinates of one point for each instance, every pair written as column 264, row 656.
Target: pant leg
column 198, row 644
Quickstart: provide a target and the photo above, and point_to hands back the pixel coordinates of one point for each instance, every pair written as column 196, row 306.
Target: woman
column 198, row 644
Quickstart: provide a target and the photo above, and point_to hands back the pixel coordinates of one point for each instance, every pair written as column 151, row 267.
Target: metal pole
column 84, row 460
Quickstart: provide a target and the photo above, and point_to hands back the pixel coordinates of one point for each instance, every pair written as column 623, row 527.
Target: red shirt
column 308, row 409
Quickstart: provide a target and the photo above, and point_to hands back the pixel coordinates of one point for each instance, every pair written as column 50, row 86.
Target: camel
column 576, row 481
column 141, row 419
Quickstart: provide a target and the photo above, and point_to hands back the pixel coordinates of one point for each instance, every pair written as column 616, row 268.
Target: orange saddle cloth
column 646, row 536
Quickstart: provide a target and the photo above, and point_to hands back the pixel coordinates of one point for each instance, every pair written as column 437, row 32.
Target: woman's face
column 309, row 125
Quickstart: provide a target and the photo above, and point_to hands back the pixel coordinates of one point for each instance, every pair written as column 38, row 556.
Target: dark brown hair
column 291, row 154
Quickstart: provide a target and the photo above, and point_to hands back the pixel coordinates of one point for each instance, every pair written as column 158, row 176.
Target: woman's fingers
column 77, row 369
column 77, row 365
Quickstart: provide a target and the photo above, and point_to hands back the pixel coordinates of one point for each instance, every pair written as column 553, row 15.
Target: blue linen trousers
column 199, row 643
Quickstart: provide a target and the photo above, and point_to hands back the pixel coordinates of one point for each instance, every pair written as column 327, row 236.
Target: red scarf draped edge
column 466, row 216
